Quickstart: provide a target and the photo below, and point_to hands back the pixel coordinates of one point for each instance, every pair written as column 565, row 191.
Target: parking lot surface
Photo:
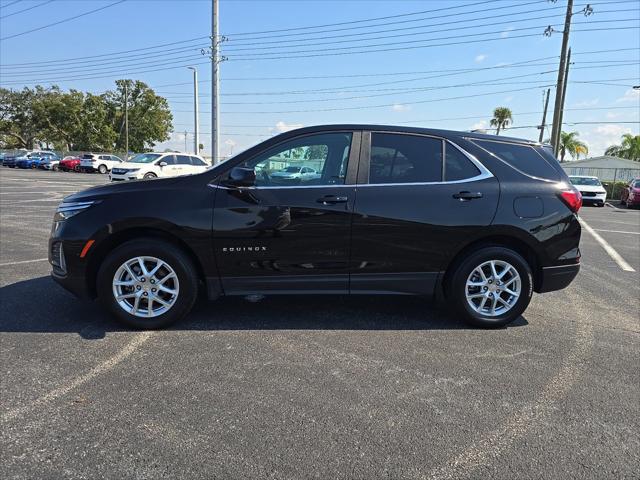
column 315, row 387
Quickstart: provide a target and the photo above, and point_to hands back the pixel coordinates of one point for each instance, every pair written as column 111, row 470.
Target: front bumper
column 557, row 278
column 598, row 198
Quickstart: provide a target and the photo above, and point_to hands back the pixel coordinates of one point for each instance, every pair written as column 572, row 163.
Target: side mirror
column 241, row 177
column 162, row 164
column 605, row 185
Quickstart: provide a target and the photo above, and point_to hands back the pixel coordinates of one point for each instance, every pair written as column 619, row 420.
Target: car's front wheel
column 491, row 287
column 150, row 175
column 148, row 283
column 102, row 169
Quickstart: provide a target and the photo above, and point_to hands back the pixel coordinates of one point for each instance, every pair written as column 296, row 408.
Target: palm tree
column 570, row 144
column 629, row 148
column 501, row 118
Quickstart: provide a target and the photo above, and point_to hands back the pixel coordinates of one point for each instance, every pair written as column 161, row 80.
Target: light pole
column 196, row 115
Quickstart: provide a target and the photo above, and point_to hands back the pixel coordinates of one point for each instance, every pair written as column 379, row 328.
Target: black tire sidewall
column 465, row 267
column 169, row 253
column 150, row 175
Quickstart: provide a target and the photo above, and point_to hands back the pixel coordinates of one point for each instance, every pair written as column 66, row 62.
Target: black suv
column 477, row 220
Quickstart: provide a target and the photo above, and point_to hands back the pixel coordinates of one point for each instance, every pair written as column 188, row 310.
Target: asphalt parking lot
column 318, row 387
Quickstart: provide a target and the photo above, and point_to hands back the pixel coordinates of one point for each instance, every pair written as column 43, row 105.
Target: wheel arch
column 499, row 240
column 134, row 233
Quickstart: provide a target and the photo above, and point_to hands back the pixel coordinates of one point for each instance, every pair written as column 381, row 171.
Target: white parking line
column 23, row 261
column 608, row 248
column 612, row 206
column 616, row 231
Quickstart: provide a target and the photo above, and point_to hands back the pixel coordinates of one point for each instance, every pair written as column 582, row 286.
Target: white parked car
column 295, row 173
column 103, row 163
column 153, row 165
column 591, row 188
column 49, row 163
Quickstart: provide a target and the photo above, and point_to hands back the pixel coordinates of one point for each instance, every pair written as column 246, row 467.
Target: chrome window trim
column 484, row 174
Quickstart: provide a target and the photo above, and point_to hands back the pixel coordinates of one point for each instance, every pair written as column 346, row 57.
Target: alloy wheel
column 145, row 287
column 493, row 288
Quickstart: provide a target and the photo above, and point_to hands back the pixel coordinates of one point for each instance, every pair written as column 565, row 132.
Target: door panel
column 405, row 234
column 291, row 237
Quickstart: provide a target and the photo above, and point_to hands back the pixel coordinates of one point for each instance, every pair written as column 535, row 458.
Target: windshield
column 292, row 169
column 591, row 182
column 636, row 184
column 144, row 158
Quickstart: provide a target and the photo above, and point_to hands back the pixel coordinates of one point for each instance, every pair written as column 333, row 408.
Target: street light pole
column 215, row 79
column 196, row 114
column 126, row 122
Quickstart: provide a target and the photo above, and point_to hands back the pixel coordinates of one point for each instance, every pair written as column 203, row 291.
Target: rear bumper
column 557, row 278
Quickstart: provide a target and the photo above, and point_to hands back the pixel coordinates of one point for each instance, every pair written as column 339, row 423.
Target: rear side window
column 521, row 157
column 183, row 160
column 197, row 162
column 458, row 166
column 404, row 159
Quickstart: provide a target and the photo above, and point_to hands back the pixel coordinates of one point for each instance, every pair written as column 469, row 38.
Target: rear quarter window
column 524, row 158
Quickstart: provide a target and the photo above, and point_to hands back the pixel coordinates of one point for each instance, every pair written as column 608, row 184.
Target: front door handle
column 464, row 196
column 332, row 200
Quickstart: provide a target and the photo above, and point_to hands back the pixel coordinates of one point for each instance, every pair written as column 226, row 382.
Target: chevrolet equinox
column 477, row 221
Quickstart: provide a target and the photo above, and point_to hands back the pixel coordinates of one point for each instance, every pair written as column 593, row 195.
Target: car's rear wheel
column 491, row 287
column 148, row 283
column 150, row 175
column 55, row 168
column 76, row 168
column 102, row 169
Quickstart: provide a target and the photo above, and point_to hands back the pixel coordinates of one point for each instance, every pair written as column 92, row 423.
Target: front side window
column 397, row 158
column 310, row 160
column 168, row 159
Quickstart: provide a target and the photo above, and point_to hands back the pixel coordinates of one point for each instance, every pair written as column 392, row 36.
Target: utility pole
column 544, row 116
column 555, row 133
column 196, row 115
column 215, row 79
column 126, row 121
column 185, row 141
column 564, row 93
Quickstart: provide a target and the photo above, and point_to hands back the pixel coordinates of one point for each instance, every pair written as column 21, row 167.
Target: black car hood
column 102, row 191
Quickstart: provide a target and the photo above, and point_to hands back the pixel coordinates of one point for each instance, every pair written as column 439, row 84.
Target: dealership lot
column 325, row 387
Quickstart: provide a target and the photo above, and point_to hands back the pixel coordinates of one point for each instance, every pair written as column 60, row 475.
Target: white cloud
column 481, row 58
column 481, row 125
column 630, row 95
column 588, row 103
column 603, row 136
column 399, row 107
column 612, row 115
column 285, row 127
column 505, row 33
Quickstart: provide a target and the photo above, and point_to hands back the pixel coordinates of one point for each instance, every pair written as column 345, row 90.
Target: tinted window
column 169, row 159
column 183, row 160
column 87, row 156
column 522, row 157
column 197, row 162
column 457, row 165
column 405, row 159
column 327, row 154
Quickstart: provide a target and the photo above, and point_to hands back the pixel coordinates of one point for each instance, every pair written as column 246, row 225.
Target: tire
column 76, row 169
column 173, row 257
column 55, row 168
column 150, row 175
column 456, row 289
column 102, row 169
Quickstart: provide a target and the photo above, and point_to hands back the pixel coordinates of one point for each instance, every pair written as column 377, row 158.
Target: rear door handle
column 467, row 195
column 332, row 200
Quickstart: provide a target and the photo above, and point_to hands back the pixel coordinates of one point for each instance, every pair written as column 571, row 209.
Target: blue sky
column 447, row 65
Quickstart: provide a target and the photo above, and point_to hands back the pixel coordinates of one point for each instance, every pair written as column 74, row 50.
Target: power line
column 24, row 9
column 12, row 3
column 62, row 21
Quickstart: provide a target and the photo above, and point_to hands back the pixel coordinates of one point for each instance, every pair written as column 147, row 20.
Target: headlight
column 69, row 209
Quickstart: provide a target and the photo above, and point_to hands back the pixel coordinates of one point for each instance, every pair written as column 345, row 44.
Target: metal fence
column 605, row 174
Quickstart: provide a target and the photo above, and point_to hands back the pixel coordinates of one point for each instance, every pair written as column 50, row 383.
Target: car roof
column 405, row 129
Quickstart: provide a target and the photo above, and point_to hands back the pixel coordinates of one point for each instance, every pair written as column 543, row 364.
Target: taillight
column 572, row 198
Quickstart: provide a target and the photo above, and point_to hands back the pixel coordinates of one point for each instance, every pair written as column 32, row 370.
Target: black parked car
column 477, row 220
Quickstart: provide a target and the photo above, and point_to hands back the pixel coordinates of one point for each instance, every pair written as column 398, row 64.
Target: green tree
column 629, row 148
column 570, row 144
column 501, row 118
column 149, row 116
column 19, row 125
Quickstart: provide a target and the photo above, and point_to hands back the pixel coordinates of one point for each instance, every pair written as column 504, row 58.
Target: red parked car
column 68, row 164
column 631, row 194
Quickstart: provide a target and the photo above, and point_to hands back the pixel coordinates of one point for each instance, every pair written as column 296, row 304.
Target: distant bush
column 615, row 189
